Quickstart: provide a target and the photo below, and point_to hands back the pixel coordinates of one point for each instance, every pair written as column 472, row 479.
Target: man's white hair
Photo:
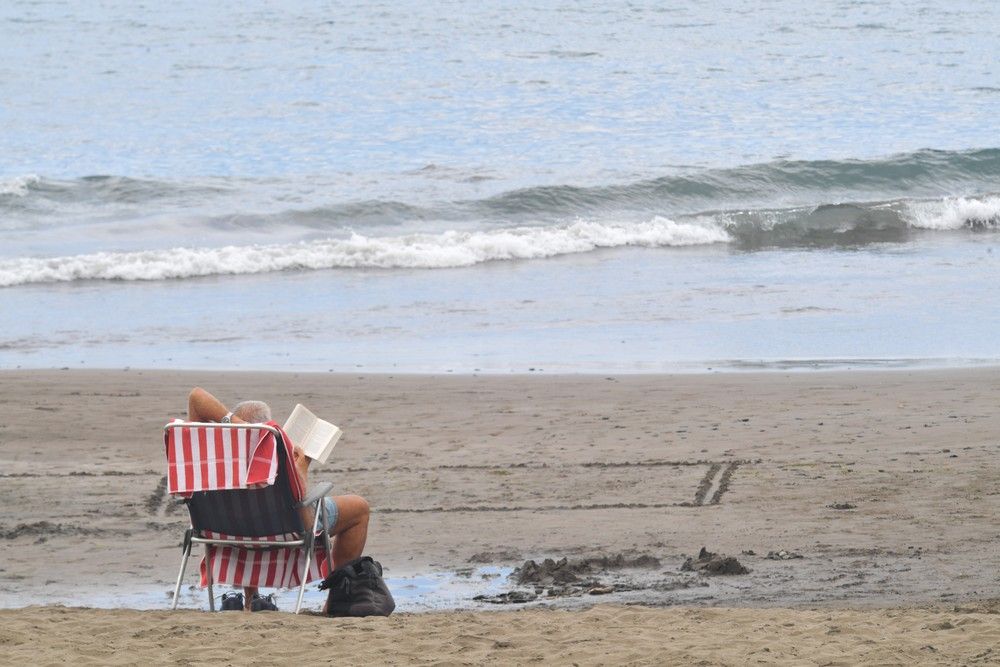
column 253, row 412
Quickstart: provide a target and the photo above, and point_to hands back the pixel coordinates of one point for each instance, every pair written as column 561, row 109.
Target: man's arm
column 203, row 407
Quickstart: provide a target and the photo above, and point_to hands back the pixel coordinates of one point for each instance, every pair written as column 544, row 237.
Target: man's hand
column 301, row 463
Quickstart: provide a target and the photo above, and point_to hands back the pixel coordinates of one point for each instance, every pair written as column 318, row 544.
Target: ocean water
column 485, row 187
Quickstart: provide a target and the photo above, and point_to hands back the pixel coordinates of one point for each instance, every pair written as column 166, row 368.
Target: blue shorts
column 332, row 513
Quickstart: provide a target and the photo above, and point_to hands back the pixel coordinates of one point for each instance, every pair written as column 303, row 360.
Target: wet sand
column 864, row 490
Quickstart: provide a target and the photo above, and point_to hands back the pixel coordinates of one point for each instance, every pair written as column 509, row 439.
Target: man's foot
column 262, row 603
column 232, row 601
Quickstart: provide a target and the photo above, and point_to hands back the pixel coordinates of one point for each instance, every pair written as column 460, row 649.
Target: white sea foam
column 425, row 251
column 17, row 186
column 955, row 213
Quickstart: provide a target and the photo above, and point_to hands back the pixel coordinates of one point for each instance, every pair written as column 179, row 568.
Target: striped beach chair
column 241, row 490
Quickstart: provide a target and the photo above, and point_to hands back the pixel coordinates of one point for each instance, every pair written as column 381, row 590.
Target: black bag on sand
column 357, row 589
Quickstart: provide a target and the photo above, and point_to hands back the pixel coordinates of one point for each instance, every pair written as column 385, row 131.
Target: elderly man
column 347, row 516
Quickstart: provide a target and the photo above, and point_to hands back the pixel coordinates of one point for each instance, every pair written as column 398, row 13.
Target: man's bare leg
column 350, row 533
column 351, row 530
column 248, row 594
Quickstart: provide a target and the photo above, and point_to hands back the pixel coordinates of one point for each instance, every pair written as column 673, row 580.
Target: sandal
column 265, row 603
column 232, row 601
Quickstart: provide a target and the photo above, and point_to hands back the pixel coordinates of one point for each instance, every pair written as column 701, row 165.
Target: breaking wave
column 425, row 251
column 956, row 213
column 782, row 204
column 833, row 225
column 19, row 186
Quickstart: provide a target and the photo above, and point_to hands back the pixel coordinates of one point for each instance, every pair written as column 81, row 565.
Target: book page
column 298, row 425
column 328, row 434
column 315, row 436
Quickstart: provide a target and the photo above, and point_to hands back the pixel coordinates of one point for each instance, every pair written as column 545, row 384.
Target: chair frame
column 307, row 541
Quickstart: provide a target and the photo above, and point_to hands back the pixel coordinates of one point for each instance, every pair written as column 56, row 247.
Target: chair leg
column 208, row 574
column 326, row 536
column 305, row 577
column 309, row 546
column 185, row 554
column 329, row 550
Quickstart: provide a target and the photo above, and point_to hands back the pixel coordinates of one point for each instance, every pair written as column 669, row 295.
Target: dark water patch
column 926, row 172
column 363, row 214
column 105, row 189
column 853, row 363
column 554, row 53
column 826, row 225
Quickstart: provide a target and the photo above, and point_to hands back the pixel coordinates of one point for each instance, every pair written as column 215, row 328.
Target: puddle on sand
column 448, row 590
column 428, row 592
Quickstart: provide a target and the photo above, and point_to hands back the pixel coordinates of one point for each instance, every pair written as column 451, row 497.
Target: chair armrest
column 315, row 494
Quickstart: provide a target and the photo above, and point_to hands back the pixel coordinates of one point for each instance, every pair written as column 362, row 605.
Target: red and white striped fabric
column 206, row 458
column 279, row 568
column 214, row 458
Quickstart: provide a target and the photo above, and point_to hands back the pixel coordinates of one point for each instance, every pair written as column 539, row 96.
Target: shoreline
column 695, row 368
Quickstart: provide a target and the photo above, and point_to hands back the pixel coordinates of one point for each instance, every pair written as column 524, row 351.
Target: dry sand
column 503, row 469
column 605, row 635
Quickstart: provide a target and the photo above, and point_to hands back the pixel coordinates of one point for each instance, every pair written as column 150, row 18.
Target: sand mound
column 566, row 578
column 712, row 563
column 564, row 571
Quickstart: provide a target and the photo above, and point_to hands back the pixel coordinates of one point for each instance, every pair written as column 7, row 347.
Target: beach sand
column 883, row 482
column 606, row 635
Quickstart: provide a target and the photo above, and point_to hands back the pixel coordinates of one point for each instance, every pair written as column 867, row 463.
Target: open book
column 315, row 436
